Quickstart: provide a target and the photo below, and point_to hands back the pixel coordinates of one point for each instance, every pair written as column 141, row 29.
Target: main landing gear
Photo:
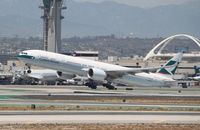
column 109, row 86
column 91, row 84
column 28, row 68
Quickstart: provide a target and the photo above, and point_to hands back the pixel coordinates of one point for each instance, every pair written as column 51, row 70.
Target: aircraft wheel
column 28, row 71
column 91, row 84
column 109, row 86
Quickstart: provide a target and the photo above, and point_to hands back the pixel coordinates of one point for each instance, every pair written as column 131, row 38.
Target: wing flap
column 120, row 73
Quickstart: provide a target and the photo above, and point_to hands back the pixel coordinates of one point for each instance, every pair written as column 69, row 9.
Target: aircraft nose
column 24, row 55
column 19, row 55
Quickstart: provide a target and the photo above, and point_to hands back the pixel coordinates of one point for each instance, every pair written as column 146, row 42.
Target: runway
column 75, row 97
column 97, row 104
column 100, row 117
column 78, row 104
column 84, row 91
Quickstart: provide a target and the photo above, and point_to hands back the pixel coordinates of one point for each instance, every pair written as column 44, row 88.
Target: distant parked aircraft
column 197, row 74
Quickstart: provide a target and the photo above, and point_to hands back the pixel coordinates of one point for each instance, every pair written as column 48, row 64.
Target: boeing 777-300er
column 99, row 73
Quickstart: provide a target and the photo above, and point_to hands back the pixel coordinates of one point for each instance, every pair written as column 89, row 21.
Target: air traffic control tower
column 52, row 24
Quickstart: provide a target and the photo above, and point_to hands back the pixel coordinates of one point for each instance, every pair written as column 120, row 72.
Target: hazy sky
column 144, row 3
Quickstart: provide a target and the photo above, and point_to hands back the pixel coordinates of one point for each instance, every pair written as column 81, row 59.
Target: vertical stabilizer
column 197, row 72
column 170, row 67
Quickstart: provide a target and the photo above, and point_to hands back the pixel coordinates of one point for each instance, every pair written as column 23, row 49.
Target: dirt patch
column 91, row 108
column 100, row 127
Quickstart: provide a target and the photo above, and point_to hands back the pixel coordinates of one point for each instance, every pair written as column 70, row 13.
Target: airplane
column 43, row 76
column 99, row 73
column 197, row 74
column 39, row 76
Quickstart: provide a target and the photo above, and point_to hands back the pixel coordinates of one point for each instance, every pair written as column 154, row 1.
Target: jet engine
column 97, row 74
column 59, row 73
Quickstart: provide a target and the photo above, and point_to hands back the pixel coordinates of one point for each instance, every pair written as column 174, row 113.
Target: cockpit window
column 24, row 53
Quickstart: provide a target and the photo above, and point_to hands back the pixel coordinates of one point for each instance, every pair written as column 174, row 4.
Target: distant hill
column 22, row 17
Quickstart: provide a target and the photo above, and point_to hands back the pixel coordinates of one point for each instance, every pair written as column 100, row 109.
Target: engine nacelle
column 97, row 74
column 59, row 73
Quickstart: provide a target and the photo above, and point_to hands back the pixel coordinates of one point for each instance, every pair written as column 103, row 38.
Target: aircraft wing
column 119, row 73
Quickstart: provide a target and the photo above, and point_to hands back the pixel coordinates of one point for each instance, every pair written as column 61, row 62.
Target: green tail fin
column 170, row 67
column 196, row 69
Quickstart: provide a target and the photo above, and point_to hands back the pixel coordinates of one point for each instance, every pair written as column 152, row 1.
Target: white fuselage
column 74, row 65
column 147, row 80
column 197, row 78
